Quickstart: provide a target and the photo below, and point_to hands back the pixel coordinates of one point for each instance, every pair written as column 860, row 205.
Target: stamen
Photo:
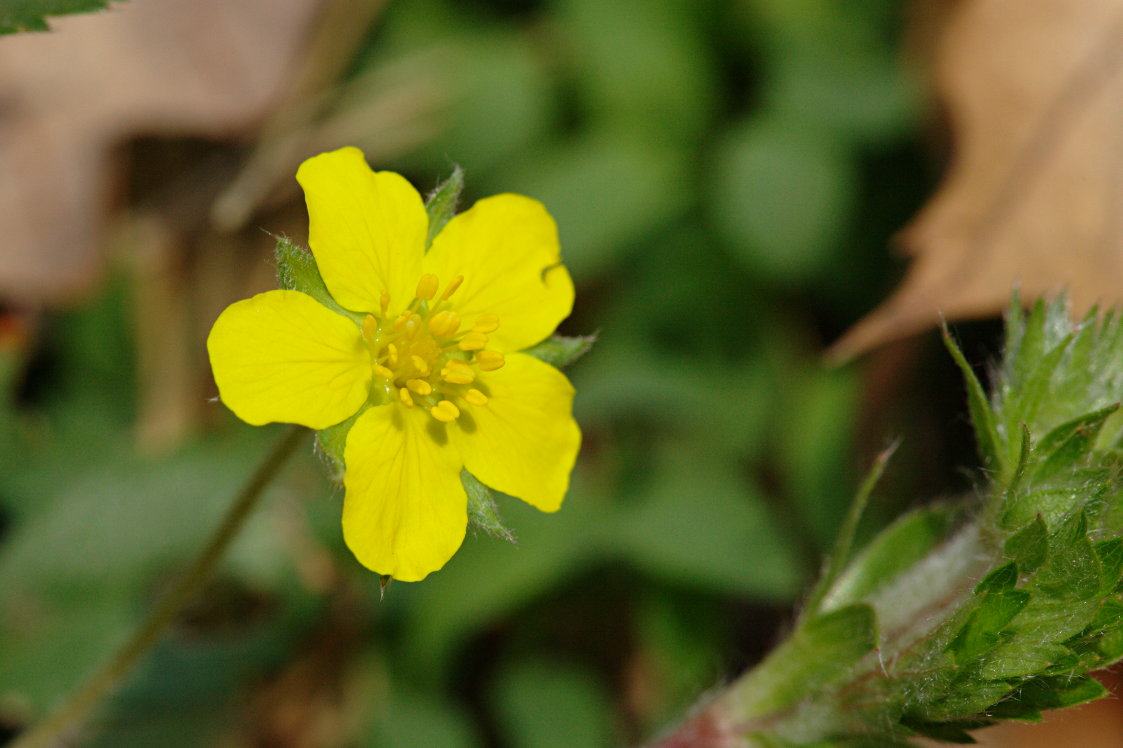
column 392, row 354
column 490, row 360
column 370, row 326
column 444, row 324
column 384, row 302
column 382, row 371
column 457, row 372
column 401, row 321
column 486, row 323
column 445, row 411
column 420, row 386
column 403, row 395
column 455, row 284
column 473, row 341
column 475, row 397
column 427, row 286
column 420, row 364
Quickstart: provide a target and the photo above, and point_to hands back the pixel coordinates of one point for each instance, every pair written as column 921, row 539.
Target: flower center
column 425, row 357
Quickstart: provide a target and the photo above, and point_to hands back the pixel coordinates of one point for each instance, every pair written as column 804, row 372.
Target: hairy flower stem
column 61, row 726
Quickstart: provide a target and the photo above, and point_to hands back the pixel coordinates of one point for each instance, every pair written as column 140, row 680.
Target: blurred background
column 727, row 178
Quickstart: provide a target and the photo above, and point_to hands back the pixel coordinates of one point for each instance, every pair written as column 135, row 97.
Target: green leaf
column 948, row 732
column 441, row 204
column 986, row 433
column 821, row 651
column 894, row 550
column 483, row 514
column 31, row 15
column 1017, row 659
column 1110, row 554
column 560, row 351
column 1002, row 579
column 1072, row 571
column 966, row 699
column 1029, row 546
column 297, row 271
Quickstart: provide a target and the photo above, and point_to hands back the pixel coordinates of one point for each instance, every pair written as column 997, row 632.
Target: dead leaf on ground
column 1034, row 196
column 204, row 68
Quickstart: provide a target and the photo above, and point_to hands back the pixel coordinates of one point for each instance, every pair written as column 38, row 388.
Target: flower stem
column 59, row 728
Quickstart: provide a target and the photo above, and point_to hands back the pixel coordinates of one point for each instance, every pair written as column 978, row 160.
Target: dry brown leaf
column 1034, row 196
column 206, row 68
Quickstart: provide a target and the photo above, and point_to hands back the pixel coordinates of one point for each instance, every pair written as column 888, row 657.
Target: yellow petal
column 506, row 247
column 524, row 441
column 366, row 229
column 405, row 510
column 283, row 357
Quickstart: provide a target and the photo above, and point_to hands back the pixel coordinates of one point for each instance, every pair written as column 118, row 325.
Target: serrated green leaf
column 1029, row 546
column 441, row 204
column 1002, row 579
column 1058, row 692
column 893, row 551
column 986, row 433
column 1110, row 554
column 483, row 514
column 966, row 699
column 560, row 351
column 822, row 650
column 1072, row 570
column 1065, row 446
column 1020, row 658
column 985, row 624
column 31, row 15
column 297, row 271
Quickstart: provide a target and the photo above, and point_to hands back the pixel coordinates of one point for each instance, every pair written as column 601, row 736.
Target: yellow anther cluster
column 421, row 357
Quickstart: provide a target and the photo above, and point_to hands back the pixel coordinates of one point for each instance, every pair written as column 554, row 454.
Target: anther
column 486, row 323
column 370, row 326
column 404, row 396
column 457, row 372
column 490, row 360
column 420, row 364
column 420, row 386
column 451, row 289
column 392, row 354
column 427, row 286
column 444, row 324
column 445, row 411
column 475, row 397
column 384, row 302
column 473, row 341
column 382, row 371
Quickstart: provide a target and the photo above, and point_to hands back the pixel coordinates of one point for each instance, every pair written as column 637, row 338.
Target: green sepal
column 330, row 443
column 982, row 417
column 483, row 514
column 1017, row 659
column 966, row 699
column 1029, row 546
column 297, row 271
column 560, row 351
column 893, row 551
column 1002, row 579
column 441, row 203
column 1068, row 444
column 822, row 650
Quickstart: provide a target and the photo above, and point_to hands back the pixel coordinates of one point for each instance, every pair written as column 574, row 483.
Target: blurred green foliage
column 715, row 170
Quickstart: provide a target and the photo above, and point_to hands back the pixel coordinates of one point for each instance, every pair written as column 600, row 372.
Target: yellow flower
column 432, row 347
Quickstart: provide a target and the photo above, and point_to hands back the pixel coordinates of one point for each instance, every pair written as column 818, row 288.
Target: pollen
column 404, row 396
column 457, row 372
column 420, row 386
column 445, row 411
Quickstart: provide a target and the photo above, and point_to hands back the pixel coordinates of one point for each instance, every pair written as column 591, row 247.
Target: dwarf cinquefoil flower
column 427, row 350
